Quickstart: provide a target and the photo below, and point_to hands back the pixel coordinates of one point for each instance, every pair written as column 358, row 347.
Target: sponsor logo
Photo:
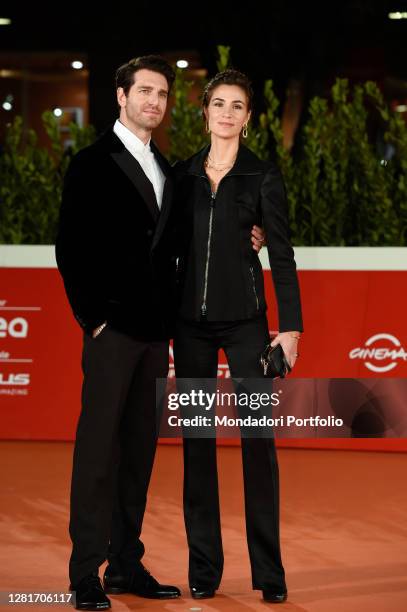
column 14, row 379
column 16, row 328
column 377, row 350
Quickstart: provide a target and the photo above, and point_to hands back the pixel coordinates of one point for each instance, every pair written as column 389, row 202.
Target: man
column 114, row 253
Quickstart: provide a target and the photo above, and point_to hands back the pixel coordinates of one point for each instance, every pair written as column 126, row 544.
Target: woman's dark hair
column 125, row 74
column 228, row 77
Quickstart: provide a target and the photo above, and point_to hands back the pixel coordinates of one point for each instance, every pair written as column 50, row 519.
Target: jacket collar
column 162, row 161
column 247, row 163
column 111, row 144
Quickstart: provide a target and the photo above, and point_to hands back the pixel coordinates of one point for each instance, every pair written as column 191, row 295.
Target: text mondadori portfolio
column 250, row 421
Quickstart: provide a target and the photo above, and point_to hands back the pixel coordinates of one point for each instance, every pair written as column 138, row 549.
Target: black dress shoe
column 202, row 593
column 140, row 583
column 90, row 594
column 275, row 596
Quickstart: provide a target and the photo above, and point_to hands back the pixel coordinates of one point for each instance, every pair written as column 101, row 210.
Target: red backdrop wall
column 40, row 345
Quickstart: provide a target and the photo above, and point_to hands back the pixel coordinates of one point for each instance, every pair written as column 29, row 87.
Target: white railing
column 307, row 258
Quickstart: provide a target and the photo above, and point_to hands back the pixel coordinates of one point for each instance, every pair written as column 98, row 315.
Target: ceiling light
column 8, row 102
column 5, row 21
column 77, row 65
column 401, row 108
column 58, row 112
column 182, row 63
column 397, row 15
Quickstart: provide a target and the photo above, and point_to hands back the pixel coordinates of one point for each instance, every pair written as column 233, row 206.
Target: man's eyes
column 162, row 94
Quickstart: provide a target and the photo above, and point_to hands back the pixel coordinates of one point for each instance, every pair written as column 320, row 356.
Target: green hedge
column 31, row 181
column 340, row 189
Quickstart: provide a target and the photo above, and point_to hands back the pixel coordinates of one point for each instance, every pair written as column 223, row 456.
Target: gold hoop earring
column 244, row 131
column 207, row 127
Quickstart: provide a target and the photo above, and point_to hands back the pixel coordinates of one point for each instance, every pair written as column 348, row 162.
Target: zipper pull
column 203, row 310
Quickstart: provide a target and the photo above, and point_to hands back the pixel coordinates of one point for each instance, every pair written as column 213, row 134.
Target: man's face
column 145, row 104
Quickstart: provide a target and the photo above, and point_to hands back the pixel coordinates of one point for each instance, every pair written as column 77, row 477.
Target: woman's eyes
column 236, row 107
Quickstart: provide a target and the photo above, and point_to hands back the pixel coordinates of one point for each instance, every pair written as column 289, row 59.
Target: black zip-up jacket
column 220, row 277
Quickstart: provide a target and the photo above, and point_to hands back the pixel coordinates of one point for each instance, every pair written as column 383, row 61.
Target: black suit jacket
column 114, row 246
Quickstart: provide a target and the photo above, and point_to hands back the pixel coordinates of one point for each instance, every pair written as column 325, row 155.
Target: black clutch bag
column 274, row 362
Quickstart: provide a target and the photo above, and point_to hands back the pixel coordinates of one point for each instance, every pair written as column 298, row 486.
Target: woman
column 223, row 191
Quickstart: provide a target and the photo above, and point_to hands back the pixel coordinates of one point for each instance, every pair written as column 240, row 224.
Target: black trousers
column 114, row 451
column 196, row 347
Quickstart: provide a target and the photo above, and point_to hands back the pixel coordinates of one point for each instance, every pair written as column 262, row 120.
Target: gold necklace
column 228, row 163
column 217, row 169
column 210, row 166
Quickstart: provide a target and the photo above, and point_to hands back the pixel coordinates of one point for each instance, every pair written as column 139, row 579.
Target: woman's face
column 227, row 111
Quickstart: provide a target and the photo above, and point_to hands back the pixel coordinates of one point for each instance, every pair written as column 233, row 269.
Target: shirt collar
column 130, row 140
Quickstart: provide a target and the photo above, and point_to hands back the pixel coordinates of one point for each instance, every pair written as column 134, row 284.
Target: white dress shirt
column 145, row 157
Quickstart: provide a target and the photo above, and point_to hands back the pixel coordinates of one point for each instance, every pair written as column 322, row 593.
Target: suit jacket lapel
column 130, row 166
column 167, row 193
column 165, row 210
column 135, row 173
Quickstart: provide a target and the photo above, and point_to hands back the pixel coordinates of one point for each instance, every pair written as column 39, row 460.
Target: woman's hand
column 289, row 344
column 258, row 238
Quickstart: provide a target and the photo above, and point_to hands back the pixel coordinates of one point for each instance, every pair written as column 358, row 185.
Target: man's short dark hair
column 125, row 74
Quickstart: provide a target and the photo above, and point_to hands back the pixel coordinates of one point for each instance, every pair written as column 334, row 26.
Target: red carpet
column 344, row 529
